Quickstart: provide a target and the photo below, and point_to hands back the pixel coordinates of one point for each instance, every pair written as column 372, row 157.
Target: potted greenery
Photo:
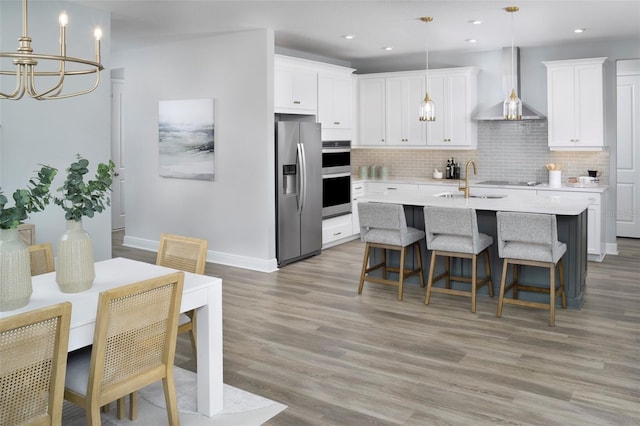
column 75, row 269
column 15, row 270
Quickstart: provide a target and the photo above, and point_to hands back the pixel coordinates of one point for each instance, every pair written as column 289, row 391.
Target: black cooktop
column 508, row 183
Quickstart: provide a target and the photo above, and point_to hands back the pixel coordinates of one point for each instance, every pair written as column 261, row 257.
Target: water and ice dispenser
column 289, row 181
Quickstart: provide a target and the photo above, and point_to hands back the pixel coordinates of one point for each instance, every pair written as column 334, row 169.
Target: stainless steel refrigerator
column 298, row 190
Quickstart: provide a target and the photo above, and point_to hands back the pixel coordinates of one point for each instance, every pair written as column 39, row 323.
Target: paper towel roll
column 555, row 178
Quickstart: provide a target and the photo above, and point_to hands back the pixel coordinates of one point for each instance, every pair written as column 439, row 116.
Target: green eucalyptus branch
column 85, row 199
column 29, row 200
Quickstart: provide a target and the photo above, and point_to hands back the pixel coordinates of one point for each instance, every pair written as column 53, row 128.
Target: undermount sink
column 461, row 195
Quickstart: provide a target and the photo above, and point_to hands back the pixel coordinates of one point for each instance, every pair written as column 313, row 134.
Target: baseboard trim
column 244, row 262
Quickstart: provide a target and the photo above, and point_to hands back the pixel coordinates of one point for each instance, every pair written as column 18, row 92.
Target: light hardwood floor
column 302, row 336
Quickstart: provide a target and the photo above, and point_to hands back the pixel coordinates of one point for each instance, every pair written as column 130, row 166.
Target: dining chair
column 185, row 254
column 384, row 226
column 33, row 360
column 453, row 232
column 41, row 258
column 134, row 345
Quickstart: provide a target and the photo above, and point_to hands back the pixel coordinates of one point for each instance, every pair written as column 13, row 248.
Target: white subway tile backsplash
column 514, row 151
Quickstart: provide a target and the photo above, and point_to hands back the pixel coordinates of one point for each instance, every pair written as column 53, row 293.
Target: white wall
column 235, row 212
column 53, row 132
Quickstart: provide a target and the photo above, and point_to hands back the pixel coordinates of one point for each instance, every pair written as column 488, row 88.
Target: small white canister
column 555, row 178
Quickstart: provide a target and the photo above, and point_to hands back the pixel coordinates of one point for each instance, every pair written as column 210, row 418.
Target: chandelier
column 427, row 106
column 27, row 75
column 512, row 106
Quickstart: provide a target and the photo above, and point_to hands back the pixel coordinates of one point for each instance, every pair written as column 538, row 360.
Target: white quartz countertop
column 530, row 202
column 474, row 184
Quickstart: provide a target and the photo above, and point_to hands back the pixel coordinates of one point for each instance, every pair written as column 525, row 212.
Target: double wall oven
column 336, row 178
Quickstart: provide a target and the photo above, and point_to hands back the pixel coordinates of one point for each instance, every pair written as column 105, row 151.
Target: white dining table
column 200, row 292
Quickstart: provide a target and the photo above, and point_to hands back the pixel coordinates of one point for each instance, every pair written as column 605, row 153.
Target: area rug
column 241, row 408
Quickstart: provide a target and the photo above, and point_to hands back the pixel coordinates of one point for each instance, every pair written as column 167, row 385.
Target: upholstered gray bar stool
column 453, row 232
column 384, row 226
column 530, row 239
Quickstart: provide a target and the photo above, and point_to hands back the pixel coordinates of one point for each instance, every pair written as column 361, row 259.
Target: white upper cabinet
column 403, row 97
column 389, row 107
column 335, row 104
column 295, row 86
column 371, row 107
column 455, row 97
column 575, row 103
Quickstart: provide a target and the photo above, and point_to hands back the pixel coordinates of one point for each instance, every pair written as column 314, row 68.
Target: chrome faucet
column 466, row 178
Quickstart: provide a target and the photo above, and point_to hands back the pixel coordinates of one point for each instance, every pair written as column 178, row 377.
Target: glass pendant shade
column 512, row 107
column 427, row 109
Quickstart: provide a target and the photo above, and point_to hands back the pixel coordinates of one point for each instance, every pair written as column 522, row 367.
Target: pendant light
column 512, row 107
column 427, row 106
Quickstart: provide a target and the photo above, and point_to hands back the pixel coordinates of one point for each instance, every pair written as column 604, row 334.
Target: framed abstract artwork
column 186, row 138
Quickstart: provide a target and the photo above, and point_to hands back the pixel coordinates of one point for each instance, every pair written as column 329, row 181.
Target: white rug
column 240, row 408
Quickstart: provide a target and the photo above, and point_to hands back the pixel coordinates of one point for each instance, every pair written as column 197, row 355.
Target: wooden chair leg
column 563, row 291
column 432, row 268
column 474, row 282
column 447, row 268
column 170, row 398
column 121, row 408
column 365, row 262
column 133, row 405
column 403, row 252
column 514, row 293
column 419, row 259
column 503, row 282
column 487, row 269
column 552, row 294
column 384, row 262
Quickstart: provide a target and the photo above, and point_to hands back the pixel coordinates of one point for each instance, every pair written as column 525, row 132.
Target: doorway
column 117, row 155
column 628, row 149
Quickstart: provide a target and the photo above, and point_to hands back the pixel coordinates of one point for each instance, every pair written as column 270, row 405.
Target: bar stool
column 453, row 232
column 530, row 239
column 384, row 226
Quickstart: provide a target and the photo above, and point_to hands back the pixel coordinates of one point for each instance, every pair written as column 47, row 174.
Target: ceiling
column 317, row 27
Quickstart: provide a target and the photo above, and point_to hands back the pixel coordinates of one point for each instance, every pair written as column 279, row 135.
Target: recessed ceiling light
column 388, row 48
column 349, row 36
column 475, row 21
column 471, row 40
column 579, row 30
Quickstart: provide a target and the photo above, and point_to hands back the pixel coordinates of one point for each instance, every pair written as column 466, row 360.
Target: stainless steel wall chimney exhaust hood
column 495, row 113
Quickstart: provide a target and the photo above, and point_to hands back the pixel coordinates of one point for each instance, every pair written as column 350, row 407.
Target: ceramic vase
column 75, row 269
column 15, row 271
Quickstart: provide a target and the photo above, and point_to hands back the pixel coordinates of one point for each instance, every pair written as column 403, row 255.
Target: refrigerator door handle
column 303, row 177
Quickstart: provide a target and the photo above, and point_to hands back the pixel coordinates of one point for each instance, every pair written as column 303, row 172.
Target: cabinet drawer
column 379, row 187
column 592, row 197
column 336, row 228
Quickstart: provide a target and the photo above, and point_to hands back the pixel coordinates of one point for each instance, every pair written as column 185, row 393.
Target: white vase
column 75, row 270
column 15, row 271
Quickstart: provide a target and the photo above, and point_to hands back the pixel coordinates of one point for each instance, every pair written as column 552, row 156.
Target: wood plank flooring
column 302, row 336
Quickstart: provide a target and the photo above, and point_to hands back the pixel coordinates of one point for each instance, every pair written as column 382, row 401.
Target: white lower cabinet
column 596, row 250
column 357, row 191
column 336, row 229
column 378, row 187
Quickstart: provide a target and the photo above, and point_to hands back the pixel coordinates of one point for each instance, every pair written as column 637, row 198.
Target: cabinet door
column 294, row 90
column 334, row 102
column 404, row 95
column 575, row 96
column 436, row 133
column 453, row 127
column 561, row 106
column 371, row 102
column 589, row 103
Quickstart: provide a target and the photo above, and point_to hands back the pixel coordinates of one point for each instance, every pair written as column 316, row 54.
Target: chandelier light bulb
column 63, row 19
column 97, row 33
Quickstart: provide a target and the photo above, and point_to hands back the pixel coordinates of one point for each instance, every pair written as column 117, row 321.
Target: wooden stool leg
column 365, row 262
column 552, row 294
column 419, row 259
column 503, row 281
column 487, row 268
column 384, row 262
column 474, row 281
column 514, row 294
column 403, row 251
column 447, row 268
column 432, row 268
column 563, row 291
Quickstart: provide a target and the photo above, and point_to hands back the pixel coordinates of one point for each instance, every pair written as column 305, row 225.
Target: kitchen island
column 572, row 230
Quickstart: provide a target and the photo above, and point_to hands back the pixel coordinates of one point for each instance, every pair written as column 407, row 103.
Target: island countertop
column 526, row 202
